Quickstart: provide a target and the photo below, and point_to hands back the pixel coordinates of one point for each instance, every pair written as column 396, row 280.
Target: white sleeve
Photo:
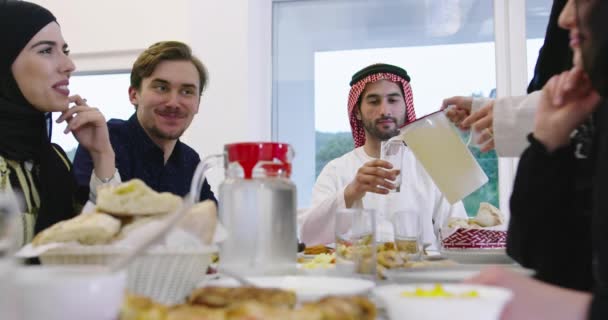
column 96, row 183
column 513, row 120
column 317, row 223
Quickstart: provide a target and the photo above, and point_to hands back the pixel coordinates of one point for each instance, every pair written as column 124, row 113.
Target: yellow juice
column 444, row 156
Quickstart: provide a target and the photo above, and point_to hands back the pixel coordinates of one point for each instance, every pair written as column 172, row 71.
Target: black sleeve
column 599, row 306
column 206, row 193
column 83, row 166
column 545, row 227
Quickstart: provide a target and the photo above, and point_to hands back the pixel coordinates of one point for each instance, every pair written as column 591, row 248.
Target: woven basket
column 476, row 239
column 165, row 275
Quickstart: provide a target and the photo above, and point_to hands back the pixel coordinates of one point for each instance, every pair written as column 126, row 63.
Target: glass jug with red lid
column 257, row 206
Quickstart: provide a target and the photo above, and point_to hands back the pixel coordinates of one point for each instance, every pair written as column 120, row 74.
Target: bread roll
column 488, row 215
column 88, row 228
column 454, row 222
column 136, row 223
column 134, row 198
column 201, row 221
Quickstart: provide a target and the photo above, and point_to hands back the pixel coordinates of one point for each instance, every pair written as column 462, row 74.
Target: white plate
column 447, row 274
column 308, row 288
column 476, row 256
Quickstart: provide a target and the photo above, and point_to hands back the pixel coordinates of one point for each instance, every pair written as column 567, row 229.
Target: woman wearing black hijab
column 544, row 193
column 34, row 77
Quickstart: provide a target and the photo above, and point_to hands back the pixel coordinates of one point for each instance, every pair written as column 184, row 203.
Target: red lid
column 248, row 154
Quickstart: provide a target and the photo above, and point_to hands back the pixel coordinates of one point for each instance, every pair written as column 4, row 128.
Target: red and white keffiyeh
column 355, row 91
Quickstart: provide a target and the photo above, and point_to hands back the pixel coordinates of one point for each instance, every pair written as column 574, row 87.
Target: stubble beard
column 372, row 129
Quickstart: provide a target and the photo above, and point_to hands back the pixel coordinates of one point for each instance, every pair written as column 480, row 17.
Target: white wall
column 232, row 38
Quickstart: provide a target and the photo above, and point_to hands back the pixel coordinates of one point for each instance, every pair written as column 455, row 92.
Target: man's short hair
column 148, row 60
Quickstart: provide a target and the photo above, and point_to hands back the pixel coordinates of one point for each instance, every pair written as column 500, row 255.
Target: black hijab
column 23, row 130
column 595, row 59
column 555, row 56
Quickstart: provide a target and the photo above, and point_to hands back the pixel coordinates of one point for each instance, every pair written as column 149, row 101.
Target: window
column 447, row 46
column 537, row 17
column 108, row 92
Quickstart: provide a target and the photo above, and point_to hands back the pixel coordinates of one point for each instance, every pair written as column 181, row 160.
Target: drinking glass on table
column 392, row 151
column 408, row 234
column 355, row 241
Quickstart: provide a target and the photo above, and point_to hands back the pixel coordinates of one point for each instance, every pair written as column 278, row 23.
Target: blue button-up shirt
column 137, row 156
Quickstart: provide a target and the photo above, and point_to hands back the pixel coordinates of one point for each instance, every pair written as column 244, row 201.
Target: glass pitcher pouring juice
column 448, row 161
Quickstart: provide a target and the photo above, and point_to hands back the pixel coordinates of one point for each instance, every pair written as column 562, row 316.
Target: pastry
column 87, row 228
column 134, row 198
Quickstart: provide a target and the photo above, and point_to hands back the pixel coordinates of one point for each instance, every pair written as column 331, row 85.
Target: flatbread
column 88, row 228
column 134, row 198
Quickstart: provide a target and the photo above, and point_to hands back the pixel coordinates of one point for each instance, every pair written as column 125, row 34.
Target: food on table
column 462, row 223
column 390, row 259
column 385, row 246
column 90, row 229
column 337, row 308
column 439, row 292
column 407, row 246
column 103, row 227
column 186, row 312
column 135, row 198
column 320, row 261
column 137, row 307
column 220, row 297
column 201, row 220
column 318, row 249
column 488, row 215
column 328, row 308
column 134, row 223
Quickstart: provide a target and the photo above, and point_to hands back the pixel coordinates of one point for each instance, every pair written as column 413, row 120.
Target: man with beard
column 379, row 103
column 167, row 82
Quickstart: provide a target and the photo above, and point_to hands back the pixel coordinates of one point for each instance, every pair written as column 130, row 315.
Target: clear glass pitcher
column 257, row 206
column 444, row 156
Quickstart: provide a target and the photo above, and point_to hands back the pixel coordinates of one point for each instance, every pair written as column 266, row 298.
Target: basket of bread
column 123, row 217
column 485, row 231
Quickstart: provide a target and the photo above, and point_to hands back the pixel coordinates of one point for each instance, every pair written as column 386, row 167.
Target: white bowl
column 69, row 292
column 487, row 306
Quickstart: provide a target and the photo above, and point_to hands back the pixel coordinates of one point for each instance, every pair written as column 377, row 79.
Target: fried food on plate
column 220, row 297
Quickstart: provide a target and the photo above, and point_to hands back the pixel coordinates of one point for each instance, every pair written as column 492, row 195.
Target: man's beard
column 372, row 129
column 156, row 132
